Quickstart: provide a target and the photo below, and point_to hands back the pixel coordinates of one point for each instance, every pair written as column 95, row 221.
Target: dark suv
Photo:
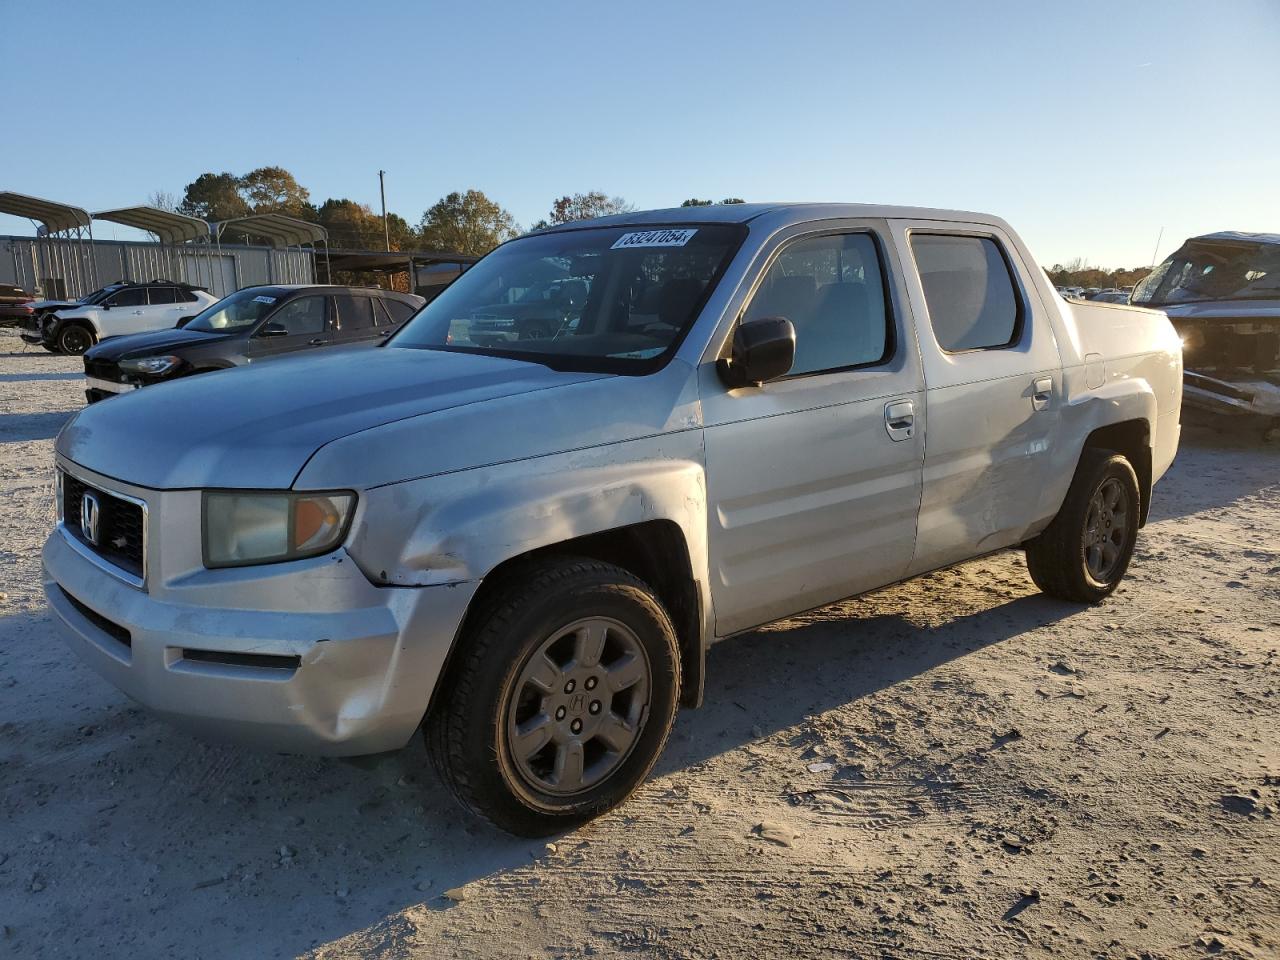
column 251, row 325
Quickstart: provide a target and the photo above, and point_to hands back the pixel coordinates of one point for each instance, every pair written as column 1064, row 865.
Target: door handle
column 1043, row 393
column 900, row 419
column 316, row 342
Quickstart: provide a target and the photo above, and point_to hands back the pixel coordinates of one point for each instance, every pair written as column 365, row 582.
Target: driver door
column 813, row 479
column 307, row 324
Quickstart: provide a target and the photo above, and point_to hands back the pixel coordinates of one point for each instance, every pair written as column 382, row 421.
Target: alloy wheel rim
column 1106, row 528
column 578, row 706
column 75, row 342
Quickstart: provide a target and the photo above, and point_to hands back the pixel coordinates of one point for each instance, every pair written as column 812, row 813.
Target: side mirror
column 273, row 330
column 183, row 321
column 763, row 350
column 106, row 306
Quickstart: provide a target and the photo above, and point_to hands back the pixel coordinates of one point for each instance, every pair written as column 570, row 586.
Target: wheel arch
column 1132, row 439
column 655, row 551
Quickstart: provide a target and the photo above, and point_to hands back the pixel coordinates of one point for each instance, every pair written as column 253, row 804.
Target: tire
column 75, row 339
column 519, row 705
column 51, row 347
column 1084, row 553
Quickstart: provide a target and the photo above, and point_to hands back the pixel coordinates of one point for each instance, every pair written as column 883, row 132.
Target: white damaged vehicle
column 525, row 548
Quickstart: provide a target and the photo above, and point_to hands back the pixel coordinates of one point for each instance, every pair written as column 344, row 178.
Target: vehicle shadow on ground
column 53, row 375
column 772, row 679
column 375, row 838
column 24, row 427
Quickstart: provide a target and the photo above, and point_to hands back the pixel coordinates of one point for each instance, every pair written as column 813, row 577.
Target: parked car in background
column 15, row 305
column 1110, row 296
column 1222, row 293
column 540, row 311
column 526, row 549
column 251, row 325
column 115, row 311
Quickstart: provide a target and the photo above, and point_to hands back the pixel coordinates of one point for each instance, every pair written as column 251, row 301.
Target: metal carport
column 282, row 233
column 184, row 245
column 59, row 257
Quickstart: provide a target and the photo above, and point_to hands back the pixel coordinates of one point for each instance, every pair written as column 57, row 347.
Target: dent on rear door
column 992, row 429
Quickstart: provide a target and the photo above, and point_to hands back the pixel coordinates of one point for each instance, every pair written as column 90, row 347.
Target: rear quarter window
column 968, row 290
column 399, row 310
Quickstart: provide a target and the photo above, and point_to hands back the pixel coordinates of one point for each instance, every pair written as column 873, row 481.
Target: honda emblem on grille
column 90, row 512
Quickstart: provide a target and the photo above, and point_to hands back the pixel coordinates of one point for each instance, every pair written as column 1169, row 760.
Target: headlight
column 151, row 365
column 248, row 528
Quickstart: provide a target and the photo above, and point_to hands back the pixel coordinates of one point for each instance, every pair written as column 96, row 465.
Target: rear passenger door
column 306, row 322
column 356, row 320
column 165, row 306
column 813, row 480
column 994, row 384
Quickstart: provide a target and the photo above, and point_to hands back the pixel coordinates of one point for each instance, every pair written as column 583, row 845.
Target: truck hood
column 150, row 344
column 257, row 426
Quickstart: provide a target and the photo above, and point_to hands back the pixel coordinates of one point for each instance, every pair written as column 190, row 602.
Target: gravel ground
column 953, row 767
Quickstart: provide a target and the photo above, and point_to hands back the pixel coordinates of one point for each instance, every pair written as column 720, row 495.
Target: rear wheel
column 75, row 339
column 561, row 700
column 1084, row 553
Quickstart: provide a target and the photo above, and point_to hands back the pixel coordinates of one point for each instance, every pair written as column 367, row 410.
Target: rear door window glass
column 354, row 312
column 969, row 292
column 831, row 288
column 162, row 296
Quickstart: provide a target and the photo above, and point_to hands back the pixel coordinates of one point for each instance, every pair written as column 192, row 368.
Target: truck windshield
column 1213, row 270
column 610, row 299
column 242, row 309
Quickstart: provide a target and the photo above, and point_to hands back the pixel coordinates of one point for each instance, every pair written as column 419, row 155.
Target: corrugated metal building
column 42, row 264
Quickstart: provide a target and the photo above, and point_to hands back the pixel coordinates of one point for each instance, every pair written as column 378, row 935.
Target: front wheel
column 561, row 699
column 1084, row 553
column 75, row 339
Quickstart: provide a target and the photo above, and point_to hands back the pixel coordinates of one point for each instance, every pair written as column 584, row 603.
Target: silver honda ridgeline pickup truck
column 526, row 547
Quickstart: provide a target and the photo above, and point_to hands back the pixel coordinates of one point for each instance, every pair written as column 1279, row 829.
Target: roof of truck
column 799, row 213
column 1238, row 236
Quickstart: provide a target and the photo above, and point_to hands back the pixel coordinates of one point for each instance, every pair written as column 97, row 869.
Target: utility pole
column 382, row 189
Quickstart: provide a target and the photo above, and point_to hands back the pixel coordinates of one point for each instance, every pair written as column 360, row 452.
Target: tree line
column 1078, row 273
column 464, row 221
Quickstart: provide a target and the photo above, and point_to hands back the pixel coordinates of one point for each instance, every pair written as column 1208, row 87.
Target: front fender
column 460, row 526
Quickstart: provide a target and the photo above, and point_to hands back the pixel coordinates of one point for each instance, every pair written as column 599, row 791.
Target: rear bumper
column 336, row 667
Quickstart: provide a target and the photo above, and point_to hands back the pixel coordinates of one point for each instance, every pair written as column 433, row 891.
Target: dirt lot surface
column 953, row 767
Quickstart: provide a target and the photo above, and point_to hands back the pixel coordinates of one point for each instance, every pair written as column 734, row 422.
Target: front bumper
column 305, row 657
column 99, row 389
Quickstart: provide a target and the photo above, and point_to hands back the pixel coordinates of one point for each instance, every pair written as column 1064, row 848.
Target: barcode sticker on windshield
column 264, row 299
column 654, row 238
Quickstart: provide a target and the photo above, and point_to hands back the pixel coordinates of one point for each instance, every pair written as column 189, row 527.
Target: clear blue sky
column 1088, row 125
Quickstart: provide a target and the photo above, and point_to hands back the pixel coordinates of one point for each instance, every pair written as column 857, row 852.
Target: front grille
column 102, row 369
column 109, row 627
column 121, row 525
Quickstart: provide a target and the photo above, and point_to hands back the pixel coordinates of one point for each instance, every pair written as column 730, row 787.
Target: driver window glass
column 831, row 288
column 133, row 297
column 302, row 316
